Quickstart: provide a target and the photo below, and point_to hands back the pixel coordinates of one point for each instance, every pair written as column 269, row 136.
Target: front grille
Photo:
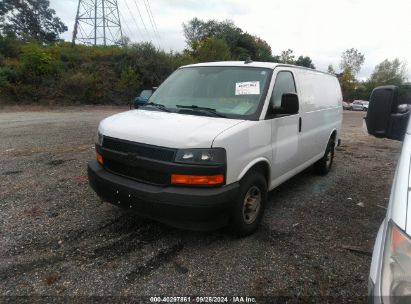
column 143, row 150
column 139, row 174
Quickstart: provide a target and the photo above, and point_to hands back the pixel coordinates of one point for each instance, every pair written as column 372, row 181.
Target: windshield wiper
column 158, row 106
column 209, row 111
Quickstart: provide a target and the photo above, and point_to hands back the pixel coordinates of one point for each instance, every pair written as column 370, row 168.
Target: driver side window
column 284, row 83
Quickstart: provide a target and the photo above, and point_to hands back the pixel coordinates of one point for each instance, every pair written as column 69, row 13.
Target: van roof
column 270, row 65
column 257, row 64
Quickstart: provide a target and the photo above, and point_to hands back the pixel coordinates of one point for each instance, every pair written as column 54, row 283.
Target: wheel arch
column 260, row 164
column 333, row 135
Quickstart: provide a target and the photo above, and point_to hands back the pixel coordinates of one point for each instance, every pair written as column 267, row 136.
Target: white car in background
column 390, row 273
column 359, row 105
column 346, row 105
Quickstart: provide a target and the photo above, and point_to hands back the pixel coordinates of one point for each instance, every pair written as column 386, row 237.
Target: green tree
column 389, row 72
column 352, row 59
column 194, row 32
column 385, row 73
column 37, row 62
column 287, row 57
column 9, row 45
column 348, row 84
column 305, row 61
column 241, row 44
column 125, row 41
column 330, row 69
column 128, row 82
column 213, row 49
column 263, row 50
column 31, row 20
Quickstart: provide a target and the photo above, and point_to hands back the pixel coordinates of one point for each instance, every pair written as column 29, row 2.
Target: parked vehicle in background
column 390, row 273
column 143, row 97
column 359, row 105
column 205, row 148
column 346, row 105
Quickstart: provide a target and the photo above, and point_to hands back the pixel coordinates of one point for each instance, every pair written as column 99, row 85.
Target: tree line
column 218, row 41
column 36, row 66
column 388, row 72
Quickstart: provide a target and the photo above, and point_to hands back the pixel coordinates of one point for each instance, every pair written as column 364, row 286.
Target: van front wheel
column 249, row 207
column 323, row 166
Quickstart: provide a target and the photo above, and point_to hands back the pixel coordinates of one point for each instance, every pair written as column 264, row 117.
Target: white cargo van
column 206, row 147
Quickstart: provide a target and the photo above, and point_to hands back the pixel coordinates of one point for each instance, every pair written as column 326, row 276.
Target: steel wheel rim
column 251, row 205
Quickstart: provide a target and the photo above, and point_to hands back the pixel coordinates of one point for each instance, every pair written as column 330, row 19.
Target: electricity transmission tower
column 98, row 23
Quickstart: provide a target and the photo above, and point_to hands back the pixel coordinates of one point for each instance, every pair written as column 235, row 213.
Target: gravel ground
column 58, row 238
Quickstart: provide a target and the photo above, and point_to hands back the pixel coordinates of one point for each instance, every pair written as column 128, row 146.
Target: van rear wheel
column 323, row 166
column 249, row 206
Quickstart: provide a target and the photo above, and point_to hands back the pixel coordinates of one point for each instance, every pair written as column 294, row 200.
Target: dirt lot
column 58, row 238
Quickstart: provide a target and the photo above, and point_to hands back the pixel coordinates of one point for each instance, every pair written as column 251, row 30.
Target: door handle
column 299, row 124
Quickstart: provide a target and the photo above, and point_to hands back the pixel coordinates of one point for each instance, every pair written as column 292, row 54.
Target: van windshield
column 235, row 92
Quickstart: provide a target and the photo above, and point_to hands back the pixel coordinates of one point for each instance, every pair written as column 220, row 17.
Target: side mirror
column 385, row 117
column 142, row 99
column 289, row 104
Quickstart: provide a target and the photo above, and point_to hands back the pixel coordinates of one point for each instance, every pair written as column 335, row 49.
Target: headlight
column 201, row 156
column 99, row 138
column 396, row 268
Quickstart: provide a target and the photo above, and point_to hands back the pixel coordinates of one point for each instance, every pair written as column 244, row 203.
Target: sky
column 320, row 29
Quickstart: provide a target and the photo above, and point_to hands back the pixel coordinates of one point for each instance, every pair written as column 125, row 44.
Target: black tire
column 244, row 221
column 323, row 166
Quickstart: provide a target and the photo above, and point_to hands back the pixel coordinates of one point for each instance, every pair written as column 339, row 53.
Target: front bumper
column 183, row 207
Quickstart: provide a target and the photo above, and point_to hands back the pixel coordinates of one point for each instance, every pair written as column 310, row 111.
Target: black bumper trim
column 158, row 166
column 192, row 208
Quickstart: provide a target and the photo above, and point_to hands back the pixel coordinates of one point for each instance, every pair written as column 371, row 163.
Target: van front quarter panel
column 246, row 144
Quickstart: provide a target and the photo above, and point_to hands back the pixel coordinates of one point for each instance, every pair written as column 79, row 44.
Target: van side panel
column 245, row 143
column 321, row 112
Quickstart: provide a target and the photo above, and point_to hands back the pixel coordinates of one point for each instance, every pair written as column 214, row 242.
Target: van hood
column 165, row 129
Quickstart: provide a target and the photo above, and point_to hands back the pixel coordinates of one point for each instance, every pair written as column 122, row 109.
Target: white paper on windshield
column 247, row 88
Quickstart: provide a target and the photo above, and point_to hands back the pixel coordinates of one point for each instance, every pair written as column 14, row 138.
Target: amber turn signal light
column 397, row 238
column 178, row 179
column 99, row 158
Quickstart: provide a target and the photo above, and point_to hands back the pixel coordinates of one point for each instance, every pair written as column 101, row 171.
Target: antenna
column 98, row 23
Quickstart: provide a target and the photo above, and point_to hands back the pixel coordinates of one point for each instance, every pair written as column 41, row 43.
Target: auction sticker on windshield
column 247, row 88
